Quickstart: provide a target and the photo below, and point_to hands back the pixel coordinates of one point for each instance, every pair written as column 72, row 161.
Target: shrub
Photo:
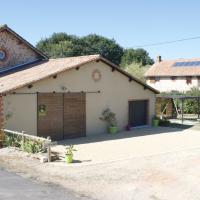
column 12, row 140
column 29, row 146
column 109, row 117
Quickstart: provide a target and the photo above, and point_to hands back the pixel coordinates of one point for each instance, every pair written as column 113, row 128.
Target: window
column 2, row 55
column 173, row 78
column 188, row 79
column 152, row 79
column 157, row 79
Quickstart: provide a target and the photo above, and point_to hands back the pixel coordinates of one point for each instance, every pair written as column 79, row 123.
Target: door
column 138, row 113
column 74, row 115
column 50, row 115
column 61, row 116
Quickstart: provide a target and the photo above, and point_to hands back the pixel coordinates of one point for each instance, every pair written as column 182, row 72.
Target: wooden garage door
column 74, row 115
column 138, row 113
column 50, row 115
column 61, row 116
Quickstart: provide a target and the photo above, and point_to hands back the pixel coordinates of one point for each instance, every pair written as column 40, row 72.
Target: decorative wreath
column 96, row 75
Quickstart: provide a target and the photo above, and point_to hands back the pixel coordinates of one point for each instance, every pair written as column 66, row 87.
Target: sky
column 131, row 23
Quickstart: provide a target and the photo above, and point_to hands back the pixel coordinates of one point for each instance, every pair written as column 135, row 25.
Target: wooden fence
column 47, row 141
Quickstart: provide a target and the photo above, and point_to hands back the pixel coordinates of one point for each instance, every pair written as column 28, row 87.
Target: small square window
column 152, row 79
column 157, row 79
column 173, row 78
column 188, row 79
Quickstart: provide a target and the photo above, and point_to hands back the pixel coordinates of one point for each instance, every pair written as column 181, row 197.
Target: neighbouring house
column 64, row 98
column 174, row 75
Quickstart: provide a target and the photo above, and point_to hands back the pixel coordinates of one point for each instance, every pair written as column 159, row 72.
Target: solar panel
column 187, row 64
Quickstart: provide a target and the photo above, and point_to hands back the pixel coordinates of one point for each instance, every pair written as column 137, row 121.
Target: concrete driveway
column 125, row 145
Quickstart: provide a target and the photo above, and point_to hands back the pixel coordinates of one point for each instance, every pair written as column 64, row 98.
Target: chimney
column 158, row 59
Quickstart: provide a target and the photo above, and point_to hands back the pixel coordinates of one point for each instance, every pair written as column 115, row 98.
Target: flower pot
column 69, row 158
column 155, row 122
column 112, row 129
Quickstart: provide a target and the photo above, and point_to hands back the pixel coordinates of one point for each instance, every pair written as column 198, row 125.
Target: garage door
column 138, row 113
column 50, row 115
column 61, row 116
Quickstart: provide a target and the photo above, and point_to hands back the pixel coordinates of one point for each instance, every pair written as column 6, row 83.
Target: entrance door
column 50, row 115
column 138, row 113
column 74, row 115
column 61, row 116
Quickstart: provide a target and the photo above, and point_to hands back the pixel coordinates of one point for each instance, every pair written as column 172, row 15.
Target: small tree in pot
column 110, row 118
column 69, row 154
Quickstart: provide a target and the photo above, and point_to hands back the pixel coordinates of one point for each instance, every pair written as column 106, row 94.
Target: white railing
column 47, row 141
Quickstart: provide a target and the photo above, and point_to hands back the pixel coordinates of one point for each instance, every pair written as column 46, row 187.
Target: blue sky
column 129, row 22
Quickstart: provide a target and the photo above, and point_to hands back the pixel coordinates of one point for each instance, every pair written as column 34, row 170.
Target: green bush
column 29, row 146
column 190, row 105
column 12, row 140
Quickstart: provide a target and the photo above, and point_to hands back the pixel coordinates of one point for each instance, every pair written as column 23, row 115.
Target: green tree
column 108, row 48
column 139, row 56
column 64, row 45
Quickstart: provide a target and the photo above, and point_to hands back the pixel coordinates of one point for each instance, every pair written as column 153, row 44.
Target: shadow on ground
column 122, row 135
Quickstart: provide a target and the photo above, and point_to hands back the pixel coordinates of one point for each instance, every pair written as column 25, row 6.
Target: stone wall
column 17, row 52
column 1, row 122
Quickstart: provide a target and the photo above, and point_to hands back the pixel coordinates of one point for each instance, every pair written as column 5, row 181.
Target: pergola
column 181, row 98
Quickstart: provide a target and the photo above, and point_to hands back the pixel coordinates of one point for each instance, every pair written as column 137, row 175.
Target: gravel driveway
column 166, row 168
column 125, row 145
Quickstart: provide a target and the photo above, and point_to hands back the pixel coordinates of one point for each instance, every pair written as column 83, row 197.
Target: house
column 64, row 98
column 174, row 75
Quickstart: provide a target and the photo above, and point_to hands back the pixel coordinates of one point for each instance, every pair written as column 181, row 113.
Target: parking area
column 125, row 145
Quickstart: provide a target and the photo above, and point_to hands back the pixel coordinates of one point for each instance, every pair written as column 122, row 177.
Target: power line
column 167, row 42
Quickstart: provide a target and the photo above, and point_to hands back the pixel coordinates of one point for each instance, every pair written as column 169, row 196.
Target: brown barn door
column 74, row 115
column 50, row 115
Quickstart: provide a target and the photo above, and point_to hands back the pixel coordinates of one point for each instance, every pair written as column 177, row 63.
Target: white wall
column 116, row 91
column 165, row 84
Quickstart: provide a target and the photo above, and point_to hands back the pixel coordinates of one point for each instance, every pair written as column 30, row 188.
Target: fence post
column 23, row 140
column 49, row 149
column 49, row 152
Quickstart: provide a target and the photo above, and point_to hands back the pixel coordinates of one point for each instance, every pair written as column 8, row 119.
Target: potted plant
column 110, row 118
column 155, row 121
column 69, row 154
column 128, row 127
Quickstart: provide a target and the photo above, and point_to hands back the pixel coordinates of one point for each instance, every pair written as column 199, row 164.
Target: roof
column 51, row 67
column 5, row 27
column 179, row 67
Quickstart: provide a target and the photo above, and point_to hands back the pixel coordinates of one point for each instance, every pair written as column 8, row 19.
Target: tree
column 64, row 45
column 108, row 48
column 139, row 56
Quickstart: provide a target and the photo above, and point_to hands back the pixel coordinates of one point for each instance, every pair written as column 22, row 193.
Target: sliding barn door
column 74, row 115
column 61, row 116
column 50, row 115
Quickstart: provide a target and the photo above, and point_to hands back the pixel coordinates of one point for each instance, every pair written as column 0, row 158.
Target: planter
column 155, row 122
column 112, row 129
column 69, row 158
